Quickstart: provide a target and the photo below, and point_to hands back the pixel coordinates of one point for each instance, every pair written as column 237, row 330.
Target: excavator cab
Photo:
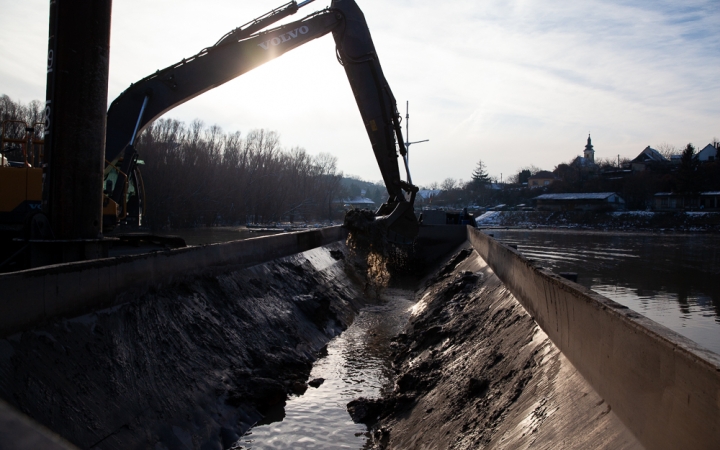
column 123, row 195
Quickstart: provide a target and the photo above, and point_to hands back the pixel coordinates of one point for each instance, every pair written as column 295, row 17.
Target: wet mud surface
column 473, row 370
column 190, row 365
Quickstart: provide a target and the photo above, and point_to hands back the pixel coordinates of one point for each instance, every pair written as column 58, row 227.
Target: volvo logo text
column 284, row 37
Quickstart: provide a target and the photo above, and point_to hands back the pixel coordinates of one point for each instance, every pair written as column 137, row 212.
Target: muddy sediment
column 473, row 370
column 189, row 365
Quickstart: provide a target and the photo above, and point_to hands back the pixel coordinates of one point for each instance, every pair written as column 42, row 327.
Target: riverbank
column 618, row 220
column 189, row 364
column 473, row 370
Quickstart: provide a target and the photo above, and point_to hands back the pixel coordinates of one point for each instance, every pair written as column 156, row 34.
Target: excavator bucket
column 400, row 224
column 393, row 222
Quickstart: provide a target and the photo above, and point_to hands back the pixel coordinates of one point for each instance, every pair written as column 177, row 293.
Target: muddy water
column 357, row 364
column 672, row 279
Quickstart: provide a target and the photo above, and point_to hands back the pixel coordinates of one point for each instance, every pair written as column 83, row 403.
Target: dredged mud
column 189, row 365
column 473, row 370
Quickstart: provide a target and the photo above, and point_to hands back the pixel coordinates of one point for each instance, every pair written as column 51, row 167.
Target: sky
column 513, row 83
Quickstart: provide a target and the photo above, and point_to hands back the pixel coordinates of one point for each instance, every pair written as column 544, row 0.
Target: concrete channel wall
column 32, row 296
column 664, row 387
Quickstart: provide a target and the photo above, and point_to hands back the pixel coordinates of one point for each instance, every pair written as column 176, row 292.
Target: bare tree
column 448, row 184
column 668, row 150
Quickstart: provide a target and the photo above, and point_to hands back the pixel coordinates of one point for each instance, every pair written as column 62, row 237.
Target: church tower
column 589, row 152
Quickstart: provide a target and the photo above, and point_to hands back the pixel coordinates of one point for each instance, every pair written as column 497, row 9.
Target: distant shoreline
column 619, row 221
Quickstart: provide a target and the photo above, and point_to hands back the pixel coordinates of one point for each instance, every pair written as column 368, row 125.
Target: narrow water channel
column 357, row 364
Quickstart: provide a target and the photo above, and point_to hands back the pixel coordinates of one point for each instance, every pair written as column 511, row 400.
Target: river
column 357, row 364
column 673, row 279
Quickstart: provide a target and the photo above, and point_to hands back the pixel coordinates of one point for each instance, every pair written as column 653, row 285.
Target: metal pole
column 75, row 115
column 406, row 158
column 407, row 127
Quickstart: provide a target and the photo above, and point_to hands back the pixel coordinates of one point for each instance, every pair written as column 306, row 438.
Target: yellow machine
column 20, row 176
column 21, row 180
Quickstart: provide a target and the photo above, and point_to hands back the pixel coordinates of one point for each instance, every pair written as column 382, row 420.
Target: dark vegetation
column 353, row 186
column 197, row 175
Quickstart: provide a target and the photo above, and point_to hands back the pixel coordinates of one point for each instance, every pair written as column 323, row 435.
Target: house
column 579, row 202
column 671, row 201
column 708, row 154
column 359, row 203
column 647, row 159
column 710, row 201
column 541, row 179
column 428, row 194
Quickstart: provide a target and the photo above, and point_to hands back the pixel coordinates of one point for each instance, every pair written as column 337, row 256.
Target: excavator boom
column 246, row 48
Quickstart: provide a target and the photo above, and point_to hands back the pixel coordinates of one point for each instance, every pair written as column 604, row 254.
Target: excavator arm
column 378, row 108
column 248, row 47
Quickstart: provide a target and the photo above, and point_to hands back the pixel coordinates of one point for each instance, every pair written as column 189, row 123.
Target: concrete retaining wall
column 664, row 387
column 31, row 296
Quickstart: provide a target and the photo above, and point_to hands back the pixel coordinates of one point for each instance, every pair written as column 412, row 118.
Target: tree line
column 197, row 175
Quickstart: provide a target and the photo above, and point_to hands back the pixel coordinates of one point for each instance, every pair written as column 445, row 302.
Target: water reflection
column 357, row 365
column 672, row 279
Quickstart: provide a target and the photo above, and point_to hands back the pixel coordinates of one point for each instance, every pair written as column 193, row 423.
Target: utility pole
column 407, row 140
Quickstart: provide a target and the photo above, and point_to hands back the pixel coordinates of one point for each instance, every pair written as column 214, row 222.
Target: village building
column 649, row 158
column 672, row 201
column 708, row 154
column 600, row 201
column 542, row 179
column 587, row 160
column 428, row 194
column 589, row 153
column 358, row 203
column 710, row 201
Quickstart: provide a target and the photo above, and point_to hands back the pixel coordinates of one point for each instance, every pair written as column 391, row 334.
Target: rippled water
column 672, row 279
column 357, row 365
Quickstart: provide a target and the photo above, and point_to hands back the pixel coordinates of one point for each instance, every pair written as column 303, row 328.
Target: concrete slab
column 663, row 386
column 30, row 297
